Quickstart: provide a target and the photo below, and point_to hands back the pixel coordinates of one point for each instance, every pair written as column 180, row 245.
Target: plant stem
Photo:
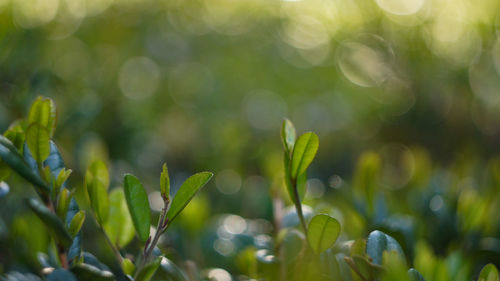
column 160, row 229
column 298, row 205
column 62, row 256
column 49, row 203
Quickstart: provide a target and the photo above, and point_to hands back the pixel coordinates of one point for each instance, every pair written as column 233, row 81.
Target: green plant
column 27, row 149
column 308, row 243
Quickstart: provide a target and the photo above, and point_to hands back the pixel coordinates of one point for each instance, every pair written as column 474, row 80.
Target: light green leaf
column 63, row 203
column 76, row 223
column 187, row 190
column 303, row 153
column 395, row 267
column 51, row 221
column 138, row 206
column 366, row 177
column 43, row 111
column 128, row 266
column 119, row 226
column 489, row 273
column 147, row 272
column 165, row 182
column 288, row 136
column 62, row 177
column 322, row 232
column 38, row 140
column 97, row 182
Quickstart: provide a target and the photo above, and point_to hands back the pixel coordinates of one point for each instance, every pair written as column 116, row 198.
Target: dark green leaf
column 187, row 190
column 61, row 275
column 489, row 273
column 4, row 189
column 51, row 221
column 17, row 276
column 169, row 271
column 87, row 272
column 147, row 272
column 415, row 275
column 76, row 247
column 322, row 232
column 11, row 156
column 303, row 153
column 378, row 242
column 138, row 206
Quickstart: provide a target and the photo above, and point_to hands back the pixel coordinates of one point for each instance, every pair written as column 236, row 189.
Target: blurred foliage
column 404, row 96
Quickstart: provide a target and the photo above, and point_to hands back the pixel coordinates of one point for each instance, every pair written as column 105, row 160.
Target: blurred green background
column 205, row 84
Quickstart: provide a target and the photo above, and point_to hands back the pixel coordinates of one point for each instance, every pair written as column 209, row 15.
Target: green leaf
column 169, row 271
column 61, row 274
column 76, row 223
column 119, row 226
column 63, row 203
column 322, row 232
column 128, row 267
column 38, row 141
column 11, row 156
column 87, row 272
column 186, row 192
column 303, row 153
column 378, row 242
column 288, row 136
column 51, row 221
column 138, row 206
column 293, row 243
column 415, row 275
column 300, row 183
column 4, row 189
column 366, row 177
column 97, row 182
column 395, row 267
column 363, row 267
column 62, row 177
column 489, row 273
column 43, row 111
column 165, row 182
column 147, row 272
column 15, row 134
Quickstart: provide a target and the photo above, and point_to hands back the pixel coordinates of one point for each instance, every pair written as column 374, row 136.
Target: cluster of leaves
column 307, row 249
column 27, row 149
column 306, row 245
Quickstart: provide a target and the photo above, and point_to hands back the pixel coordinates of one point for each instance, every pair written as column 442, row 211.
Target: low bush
column 309, row 242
